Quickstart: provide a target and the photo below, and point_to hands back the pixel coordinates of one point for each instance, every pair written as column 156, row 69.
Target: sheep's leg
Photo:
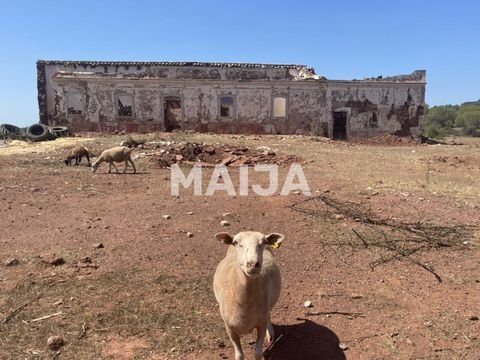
column 112, row 164
column 270, row 332
column 261, row 331
column 109, row 168
column 88, row 159
column 237, row 346
column 133, row 165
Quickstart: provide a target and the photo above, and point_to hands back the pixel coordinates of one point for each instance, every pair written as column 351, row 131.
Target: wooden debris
column 17, row 310
column 46, row 317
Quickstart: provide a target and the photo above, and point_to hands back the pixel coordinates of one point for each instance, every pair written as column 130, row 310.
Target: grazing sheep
column 131, row 143
column 247, row 286
column 77, row 153
column 115, row 154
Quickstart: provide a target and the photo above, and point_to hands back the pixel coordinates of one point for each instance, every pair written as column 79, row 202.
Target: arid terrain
column 387, row 252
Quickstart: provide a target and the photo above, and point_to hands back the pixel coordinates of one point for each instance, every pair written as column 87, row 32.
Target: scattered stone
column 98, row 246
column 473, row 318
column 11, row 262
column 357, row 296
column 189, row 213
column 220, row 343
column 428, row 323
column 166, row 217
column 224, row 223
column 339, row 216
column 308, row 304
column 189, row 234
column 55, row 342
column 56, row 261
column 86, row 260
column 343, row 346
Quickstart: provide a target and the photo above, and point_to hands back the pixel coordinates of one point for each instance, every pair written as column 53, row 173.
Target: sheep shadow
column 305, row 341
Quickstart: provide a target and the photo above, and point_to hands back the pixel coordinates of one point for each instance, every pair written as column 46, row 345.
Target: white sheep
column 247, row 285
column 115, row 154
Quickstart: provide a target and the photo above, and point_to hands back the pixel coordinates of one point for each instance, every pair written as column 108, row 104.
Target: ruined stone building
column 225, row 98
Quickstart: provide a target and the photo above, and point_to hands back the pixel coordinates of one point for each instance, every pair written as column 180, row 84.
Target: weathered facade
column 225, row 98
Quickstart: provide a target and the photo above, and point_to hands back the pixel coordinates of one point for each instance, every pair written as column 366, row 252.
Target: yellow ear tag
column 276, row 245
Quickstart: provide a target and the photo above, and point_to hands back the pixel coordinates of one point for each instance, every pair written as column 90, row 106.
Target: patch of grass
column 164, row 310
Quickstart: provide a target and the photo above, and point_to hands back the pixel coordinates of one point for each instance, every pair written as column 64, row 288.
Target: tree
column 470, row 121
column 442, row 116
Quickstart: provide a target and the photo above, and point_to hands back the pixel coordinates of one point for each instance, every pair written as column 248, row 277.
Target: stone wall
column 136, row 97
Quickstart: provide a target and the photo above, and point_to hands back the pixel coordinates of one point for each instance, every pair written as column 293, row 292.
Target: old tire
column 60, row 131
column 8, row 131
column 39, row 132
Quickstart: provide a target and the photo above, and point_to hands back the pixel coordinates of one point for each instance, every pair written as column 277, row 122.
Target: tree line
column 445, row 120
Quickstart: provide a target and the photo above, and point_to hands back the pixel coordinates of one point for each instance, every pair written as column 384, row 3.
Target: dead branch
column 17, row 310
column 352, row 314
column 426, row 267
column 404, row 239
column 46, row 317
column 83, row 331
column 361, row 238
column 270, row 347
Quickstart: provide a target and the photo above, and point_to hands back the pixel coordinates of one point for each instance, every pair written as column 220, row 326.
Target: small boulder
column 55, row 342
column 56, row 261
column 12, row 262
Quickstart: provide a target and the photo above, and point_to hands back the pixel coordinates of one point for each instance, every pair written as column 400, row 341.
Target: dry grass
column 165, row 311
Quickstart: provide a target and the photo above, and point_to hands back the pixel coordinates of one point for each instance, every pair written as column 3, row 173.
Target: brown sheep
column 77, row 153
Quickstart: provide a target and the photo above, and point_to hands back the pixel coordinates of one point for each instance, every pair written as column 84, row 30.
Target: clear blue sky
column 340, row 39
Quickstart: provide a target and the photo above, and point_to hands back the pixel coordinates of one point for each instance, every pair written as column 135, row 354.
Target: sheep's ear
column 274, row 239
column 225, row 238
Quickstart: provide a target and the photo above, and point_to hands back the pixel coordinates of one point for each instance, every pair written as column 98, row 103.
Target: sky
column 340, row 39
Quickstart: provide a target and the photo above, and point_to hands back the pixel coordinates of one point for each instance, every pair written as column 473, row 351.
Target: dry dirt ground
column 147, row 294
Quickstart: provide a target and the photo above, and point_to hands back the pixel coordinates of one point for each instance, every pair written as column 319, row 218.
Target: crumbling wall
column 374, row 106
column 306, row 109
column 375, row 109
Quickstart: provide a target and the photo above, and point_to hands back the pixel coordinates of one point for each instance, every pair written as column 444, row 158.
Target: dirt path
column 147, row 293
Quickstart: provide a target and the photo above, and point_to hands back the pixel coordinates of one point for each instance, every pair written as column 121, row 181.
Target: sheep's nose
column 253, row 264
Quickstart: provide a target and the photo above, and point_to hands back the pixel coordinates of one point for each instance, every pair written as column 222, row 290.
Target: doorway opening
column 172, row 113
column 339, row 125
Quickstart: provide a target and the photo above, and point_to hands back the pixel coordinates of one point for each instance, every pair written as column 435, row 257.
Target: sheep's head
column 249, row 246
column 95, row 166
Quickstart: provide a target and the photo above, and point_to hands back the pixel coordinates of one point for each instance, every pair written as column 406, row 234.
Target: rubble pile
column 168, row 153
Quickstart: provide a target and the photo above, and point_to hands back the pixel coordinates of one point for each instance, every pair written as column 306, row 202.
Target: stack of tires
column 35, row 132
column 8, row 131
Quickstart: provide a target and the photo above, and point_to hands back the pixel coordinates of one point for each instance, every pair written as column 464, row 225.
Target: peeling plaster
column 375, row 105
